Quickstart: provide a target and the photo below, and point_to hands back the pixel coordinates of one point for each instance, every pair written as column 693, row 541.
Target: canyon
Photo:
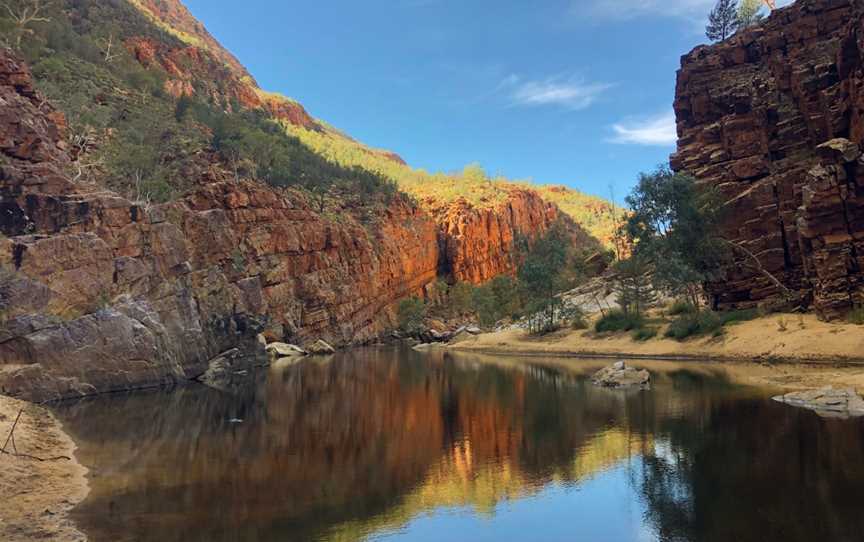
column 100, row 293
column 773, row 119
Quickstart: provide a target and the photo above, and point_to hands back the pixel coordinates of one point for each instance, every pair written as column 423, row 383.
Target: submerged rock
column 321, row 347
column 826, row 401
column 225, row 370
column 284, row 350
column 426, row 346
column 619, row 375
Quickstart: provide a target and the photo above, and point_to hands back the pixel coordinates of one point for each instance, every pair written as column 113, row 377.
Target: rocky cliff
column 480, row 243
column 774, row 119
column 100, row 293
column 103, row 289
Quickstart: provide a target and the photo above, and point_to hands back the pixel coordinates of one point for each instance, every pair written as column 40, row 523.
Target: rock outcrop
column 480, row 243
column 99, row 293
column 620, row 375
column 827, row 402
column 772, row 118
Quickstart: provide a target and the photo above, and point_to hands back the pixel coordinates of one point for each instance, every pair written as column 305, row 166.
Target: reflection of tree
column 373, row 438
column 758, row 471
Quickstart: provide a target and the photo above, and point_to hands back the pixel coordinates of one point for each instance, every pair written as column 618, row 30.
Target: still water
column 386, row 444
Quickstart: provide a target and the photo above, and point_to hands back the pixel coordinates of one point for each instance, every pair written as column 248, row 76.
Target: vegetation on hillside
column 550, row 266
column 730, row 16
column 128, row 134
column 473, row 183
column 674, row 248
column 133, row 137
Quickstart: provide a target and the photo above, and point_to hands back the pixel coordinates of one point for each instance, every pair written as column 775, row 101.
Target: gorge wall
column 478, row 244
column 99, row 293
column 774, row 119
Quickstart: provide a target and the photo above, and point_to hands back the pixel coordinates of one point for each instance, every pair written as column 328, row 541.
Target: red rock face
column 189, row 66
column 773, row 118
column 99, row 293
column 174, row 14
column 478, row 244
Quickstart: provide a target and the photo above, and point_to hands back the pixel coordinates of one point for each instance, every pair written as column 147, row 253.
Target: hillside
column 138, row 79
column 432, row 190
column 160, row 208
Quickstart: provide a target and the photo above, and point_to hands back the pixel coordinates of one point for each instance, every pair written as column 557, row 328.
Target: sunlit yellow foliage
column 473, row 183
column 185, row 37
column 458, row 482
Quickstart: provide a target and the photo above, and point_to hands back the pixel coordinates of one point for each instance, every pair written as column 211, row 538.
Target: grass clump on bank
column 644, row 334
column 679, row 307
column 856, row 317
column 698, row 324
column 619, row 320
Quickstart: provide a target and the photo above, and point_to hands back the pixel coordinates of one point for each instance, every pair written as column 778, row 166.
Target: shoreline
column 38, row 494
column 803, row 351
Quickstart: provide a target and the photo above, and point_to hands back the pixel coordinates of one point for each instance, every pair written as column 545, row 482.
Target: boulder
column 827, row 401
column 320, row 348
column 619, row 375
column 279, row 350
column 461, row 336
column 226, row 372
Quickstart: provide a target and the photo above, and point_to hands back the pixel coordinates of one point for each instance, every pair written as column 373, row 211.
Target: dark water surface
column 397, row 445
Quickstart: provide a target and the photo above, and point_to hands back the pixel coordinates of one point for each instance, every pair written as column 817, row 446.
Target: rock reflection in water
column 367, row 441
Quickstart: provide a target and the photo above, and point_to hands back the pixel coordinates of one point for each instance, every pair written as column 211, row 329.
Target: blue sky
column 575, row 92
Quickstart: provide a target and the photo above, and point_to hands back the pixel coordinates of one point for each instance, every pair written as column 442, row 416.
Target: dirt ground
column 37, row 495
column 792, row 351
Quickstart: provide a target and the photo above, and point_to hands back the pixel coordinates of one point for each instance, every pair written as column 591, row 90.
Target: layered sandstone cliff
column 100, row 293
column 773, row 119
column 480, row 243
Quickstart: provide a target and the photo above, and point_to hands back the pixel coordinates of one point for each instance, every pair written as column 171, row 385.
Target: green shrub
column 618, row 320
column 644, row 334
column 412, row 312
column 680, row 306
column 460, row 297
column 856, row 316
column 695, row 324
column 579, row 322
column 732, row 317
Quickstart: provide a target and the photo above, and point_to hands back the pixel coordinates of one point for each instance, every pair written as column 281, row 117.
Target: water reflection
column 387, row 443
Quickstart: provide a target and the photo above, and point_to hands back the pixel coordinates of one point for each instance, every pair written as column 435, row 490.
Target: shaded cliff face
column 99, row 293
column 772, row 118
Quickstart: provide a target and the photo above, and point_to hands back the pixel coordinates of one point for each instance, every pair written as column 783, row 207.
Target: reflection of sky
column 604, row 508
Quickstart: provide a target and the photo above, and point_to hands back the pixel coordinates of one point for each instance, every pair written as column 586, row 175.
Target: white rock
column 321, row 347
column 284, row 350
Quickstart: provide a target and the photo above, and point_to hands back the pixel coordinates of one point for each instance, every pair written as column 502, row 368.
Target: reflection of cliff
column 366, row 441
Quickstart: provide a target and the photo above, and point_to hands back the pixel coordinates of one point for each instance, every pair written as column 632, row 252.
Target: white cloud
column 655, row 131
column 631, row 9
column 572, row 93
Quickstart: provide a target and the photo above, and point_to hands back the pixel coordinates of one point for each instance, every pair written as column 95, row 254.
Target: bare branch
column 756, row 264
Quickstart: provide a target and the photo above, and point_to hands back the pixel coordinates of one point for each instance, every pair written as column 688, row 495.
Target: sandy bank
column 38, row 495
column 792, row 339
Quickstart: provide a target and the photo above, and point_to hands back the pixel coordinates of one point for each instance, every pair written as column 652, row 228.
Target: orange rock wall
column 478, row 244
column 99, row 293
